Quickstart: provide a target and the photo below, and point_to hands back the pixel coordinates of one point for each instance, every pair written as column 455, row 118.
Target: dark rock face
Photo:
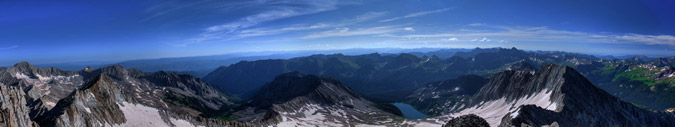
column 237, row 79
column 510, row 84
column 582, row 104
column 307, row 100
column 556, row 95
column 181, row 89
column 444, row 97
column 470, row 120
column 289, row 86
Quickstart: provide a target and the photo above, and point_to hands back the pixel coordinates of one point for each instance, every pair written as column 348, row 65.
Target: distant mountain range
column 202, row 65
column 390, row 77
column 495, row 87
column 383, row 74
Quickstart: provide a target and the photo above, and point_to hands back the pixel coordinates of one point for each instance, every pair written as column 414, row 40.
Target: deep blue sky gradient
column 68, row 31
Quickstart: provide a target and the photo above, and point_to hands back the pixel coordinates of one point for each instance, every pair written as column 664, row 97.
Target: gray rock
column 13, row 110
column 470, row 120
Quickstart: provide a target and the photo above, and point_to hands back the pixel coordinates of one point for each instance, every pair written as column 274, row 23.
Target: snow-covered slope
column 554, row 95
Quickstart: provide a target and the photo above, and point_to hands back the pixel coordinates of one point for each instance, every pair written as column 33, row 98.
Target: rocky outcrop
column 444, row 97
column 47, row 85
column 555, row 95
column 13, row 109
column 115, row 96
column 470, row 120
column 180, row 89
column 94, row 104
column 582, row 104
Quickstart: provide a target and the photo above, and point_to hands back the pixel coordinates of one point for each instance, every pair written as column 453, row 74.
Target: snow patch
column 141, row 116
column 515, row 114
column 138, row 115
column 493, row 111
column 311, row 117
column 181, row 123
column 87, row 109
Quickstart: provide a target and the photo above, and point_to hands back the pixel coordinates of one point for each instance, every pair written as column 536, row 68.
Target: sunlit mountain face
column 285, row 63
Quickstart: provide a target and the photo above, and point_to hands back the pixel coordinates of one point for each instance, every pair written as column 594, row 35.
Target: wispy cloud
column 648, row 39
column 10, row 47
column 268, row 10
column 544, row 34
column 476, row 24
column 271, row 31
column 282, row 10
column 416, row 15
column 341, row 32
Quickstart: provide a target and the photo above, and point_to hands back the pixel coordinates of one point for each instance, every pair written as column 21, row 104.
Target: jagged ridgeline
column 554, row 95
column 376, row 75
column 519, row 95
column 649, row 82
column 109, row 96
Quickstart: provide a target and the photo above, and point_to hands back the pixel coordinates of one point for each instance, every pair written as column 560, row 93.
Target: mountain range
column 480, row 87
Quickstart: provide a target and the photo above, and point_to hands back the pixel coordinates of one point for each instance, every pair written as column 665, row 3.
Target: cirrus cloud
column 416, row 15
column 10, row 47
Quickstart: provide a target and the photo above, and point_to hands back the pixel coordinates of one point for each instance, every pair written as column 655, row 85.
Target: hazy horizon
column 61, row 32
column 332, row 51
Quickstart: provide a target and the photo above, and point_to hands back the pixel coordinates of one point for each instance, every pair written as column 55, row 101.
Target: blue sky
column 53, row 32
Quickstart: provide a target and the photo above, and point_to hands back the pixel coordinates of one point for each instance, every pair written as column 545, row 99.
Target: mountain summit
column 555, row 95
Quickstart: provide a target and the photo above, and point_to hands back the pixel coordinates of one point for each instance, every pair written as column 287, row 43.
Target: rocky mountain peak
column 98, row 97
column 555, row 95
column 100, row 82
column 116, row 72
column 514, row 84
column 24, row 64
column 88, row 69
column 31, row 70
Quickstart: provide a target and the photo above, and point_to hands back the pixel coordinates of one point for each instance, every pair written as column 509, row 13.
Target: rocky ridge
column 110, row 96
column 554, row 95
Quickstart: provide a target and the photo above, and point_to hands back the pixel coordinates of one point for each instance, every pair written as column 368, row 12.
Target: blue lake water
column 409, row 112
